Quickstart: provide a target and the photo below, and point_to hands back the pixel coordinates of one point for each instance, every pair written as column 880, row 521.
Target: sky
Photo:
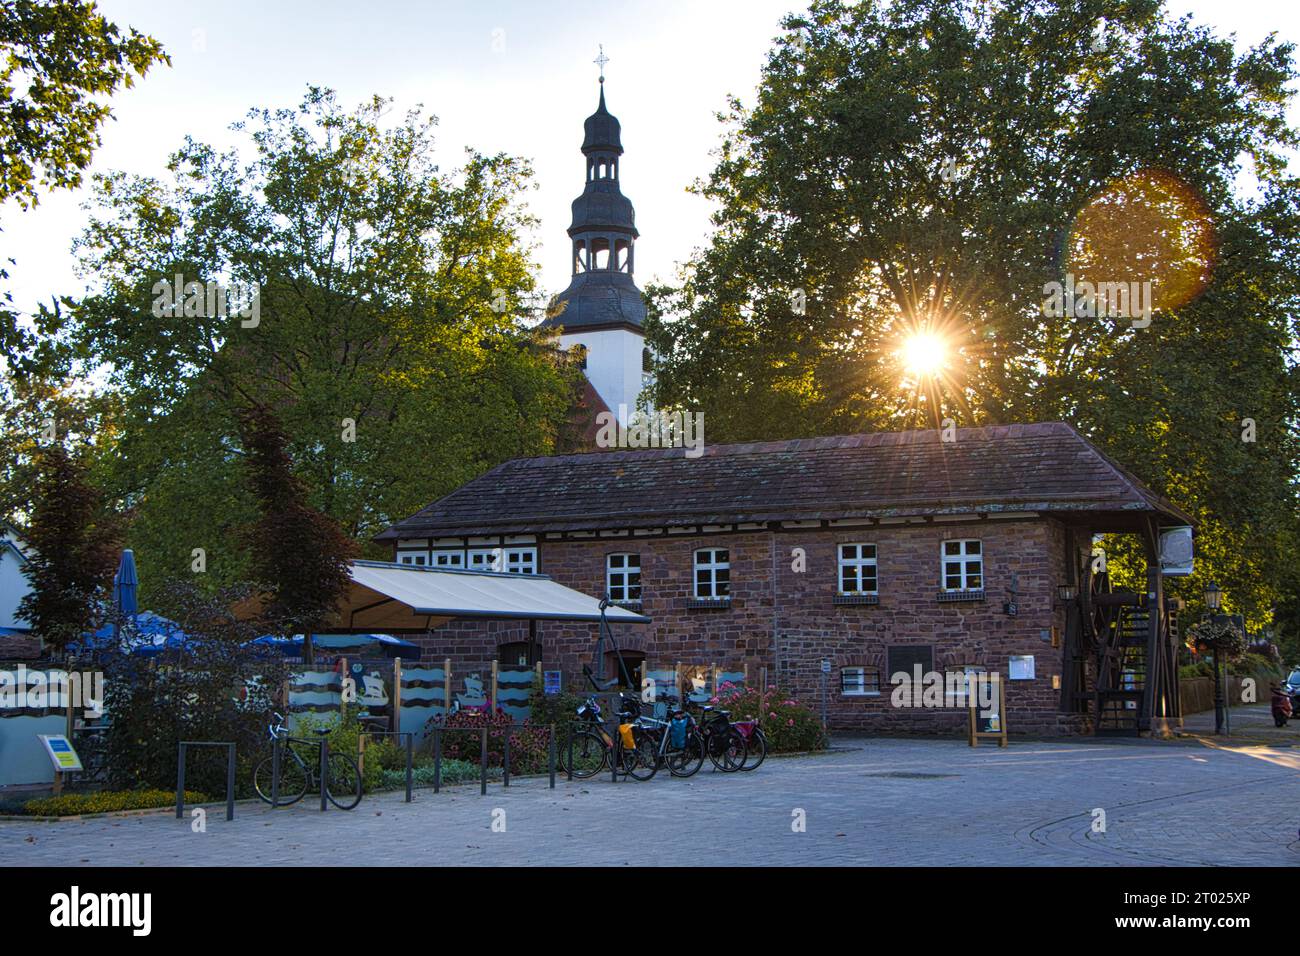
column 501, row 75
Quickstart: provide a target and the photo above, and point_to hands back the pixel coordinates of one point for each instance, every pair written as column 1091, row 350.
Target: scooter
column 1281, row 706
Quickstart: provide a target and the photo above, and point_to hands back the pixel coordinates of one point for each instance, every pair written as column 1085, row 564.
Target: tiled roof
column 1043, row 467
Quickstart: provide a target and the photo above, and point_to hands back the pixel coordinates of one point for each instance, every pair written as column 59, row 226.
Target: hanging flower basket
column 1213, row 636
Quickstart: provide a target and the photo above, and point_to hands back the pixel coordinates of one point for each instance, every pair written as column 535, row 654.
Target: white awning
column 388, row 596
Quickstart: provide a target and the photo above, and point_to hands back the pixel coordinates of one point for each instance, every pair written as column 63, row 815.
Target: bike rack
column 181, row 749
column 410, row 743
column 482, row 758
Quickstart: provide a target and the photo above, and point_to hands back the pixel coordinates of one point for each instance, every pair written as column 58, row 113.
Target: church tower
column 602, row 310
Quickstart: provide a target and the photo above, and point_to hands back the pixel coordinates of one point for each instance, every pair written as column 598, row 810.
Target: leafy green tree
column 299, row 556
column 58, row 59
column 922, row 170
column 74, row 540
column 387, row 337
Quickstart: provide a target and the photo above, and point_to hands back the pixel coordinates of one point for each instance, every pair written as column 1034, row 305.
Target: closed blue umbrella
column 125, row 584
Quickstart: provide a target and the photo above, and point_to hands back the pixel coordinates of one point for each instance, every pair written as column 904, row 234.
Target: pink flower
column 791, row 703
column 772, row 715
column 790, row 722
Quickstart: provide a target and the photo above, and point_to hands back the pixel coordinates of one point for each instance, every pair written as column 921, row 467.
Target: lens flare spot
column 1149, row 226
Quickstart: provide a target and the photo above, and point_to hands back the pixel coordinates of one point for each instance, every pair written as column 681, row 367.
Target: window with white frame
column 623, row 577
column 520, row 560
column 484, row 559
column 448, row 559
column 418, row 558
column 963, row 565
column 858, row 569
column 712, row 574
column 860, row 681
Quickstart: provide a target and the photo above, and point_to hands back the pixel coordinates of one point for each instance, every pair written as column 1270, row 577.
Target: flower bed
column 790, row 727
column 107, row 801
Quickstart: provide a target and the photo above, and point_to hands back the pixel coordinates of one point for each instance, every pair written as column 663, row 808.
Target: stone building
column 874, row 553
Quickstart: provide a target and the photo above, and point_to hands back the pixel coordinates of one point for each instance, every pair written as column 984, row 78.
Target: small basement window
column 860, row 681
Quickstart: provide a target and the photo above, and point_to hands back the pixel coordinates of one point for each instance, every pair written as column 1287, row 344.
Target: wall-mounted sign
column 1176, row 552
column 551, row 681
column 61, row 754
column 1021, row 667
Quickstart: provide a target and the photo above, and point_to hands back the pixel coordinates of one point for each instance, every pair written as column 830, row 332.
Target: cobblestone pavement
column 870, row 802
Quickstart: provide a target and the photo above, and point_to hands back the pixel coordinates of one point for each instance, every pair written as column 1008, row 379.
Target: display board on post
column 990, row 723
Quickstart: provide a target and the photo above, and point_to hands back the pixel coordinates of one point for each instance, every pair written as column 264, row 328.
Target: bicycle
column 675, row 743
column 726, row 745
column 590, row 745
column 755, row 743
column 342, row 775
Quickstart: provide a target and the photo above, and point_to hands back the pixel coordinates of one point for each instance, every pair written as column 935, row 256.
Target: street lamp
column 1067, row 592
column 1214, row 598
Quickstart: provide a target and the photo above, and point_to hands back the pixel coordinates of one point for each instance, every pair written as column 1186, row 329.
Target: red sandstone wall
column 787, row 620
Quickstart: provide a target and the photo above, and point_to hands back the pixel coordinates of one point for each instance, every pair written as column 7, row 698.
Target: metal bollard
column 482, row 764
column 437, row 759
column 230, row 784
column 180, row 782
column 550, row 755
column 275, row 773
column 505, row 767
column 570, row 763
column 324, row 769
column 410, row 741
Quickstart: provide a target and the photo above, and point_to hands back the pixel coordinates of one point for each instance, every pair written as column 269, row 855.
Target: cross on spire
column 600, row 61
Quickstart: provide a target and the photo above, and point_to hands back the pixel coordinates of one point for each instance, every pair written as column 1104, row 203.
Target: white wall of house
column 613, row 365
column 13, row 583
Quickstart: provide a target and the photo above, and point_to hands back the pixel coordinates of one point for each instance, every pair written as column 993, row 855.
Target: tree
column 74, row 543
column 918, row 173
column 388, row 340
column 57, row 58
column 299, row 556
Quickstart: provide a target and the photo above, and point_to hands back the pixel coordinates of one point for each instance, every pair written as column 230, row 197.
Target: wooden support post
column 713, row 680
column 361, row 753
column 677, row 681
column 1002, row 711
column 495, row 674
column 67, row 702
column 343, row 677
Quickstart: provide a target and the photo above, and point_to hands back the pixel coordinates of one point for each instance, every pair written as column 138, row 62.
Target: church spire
column 602, row 293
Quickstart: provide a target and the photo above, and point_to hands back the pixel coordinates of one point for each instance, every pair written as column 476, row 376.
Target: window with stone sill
column 961, row 570
column 712, row 575
column 623, row 578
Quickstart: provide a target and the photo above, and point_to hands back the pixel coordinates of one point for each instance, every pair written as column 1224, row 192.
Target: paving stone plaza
column 887, row 802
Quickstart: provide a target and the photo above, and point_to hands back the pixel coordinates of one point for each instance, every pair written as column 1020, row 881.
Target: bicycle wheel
column 590, row 754
column 757, row 749
column 687, row 761
column 343, row 785
column 727, row 750
column 642, row 763
column 293, row 779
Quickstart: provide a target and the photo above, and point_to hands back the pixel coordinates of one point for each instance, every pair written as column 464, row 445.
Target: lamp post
column 1213, row 598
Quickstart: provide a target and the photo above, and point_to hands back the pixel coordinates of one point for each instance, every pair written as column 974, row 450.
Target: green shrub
column 107, row 801
column 453, row 771
column 462, row 740
column 790, row 727
column 558, row 709
column 345, row 738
